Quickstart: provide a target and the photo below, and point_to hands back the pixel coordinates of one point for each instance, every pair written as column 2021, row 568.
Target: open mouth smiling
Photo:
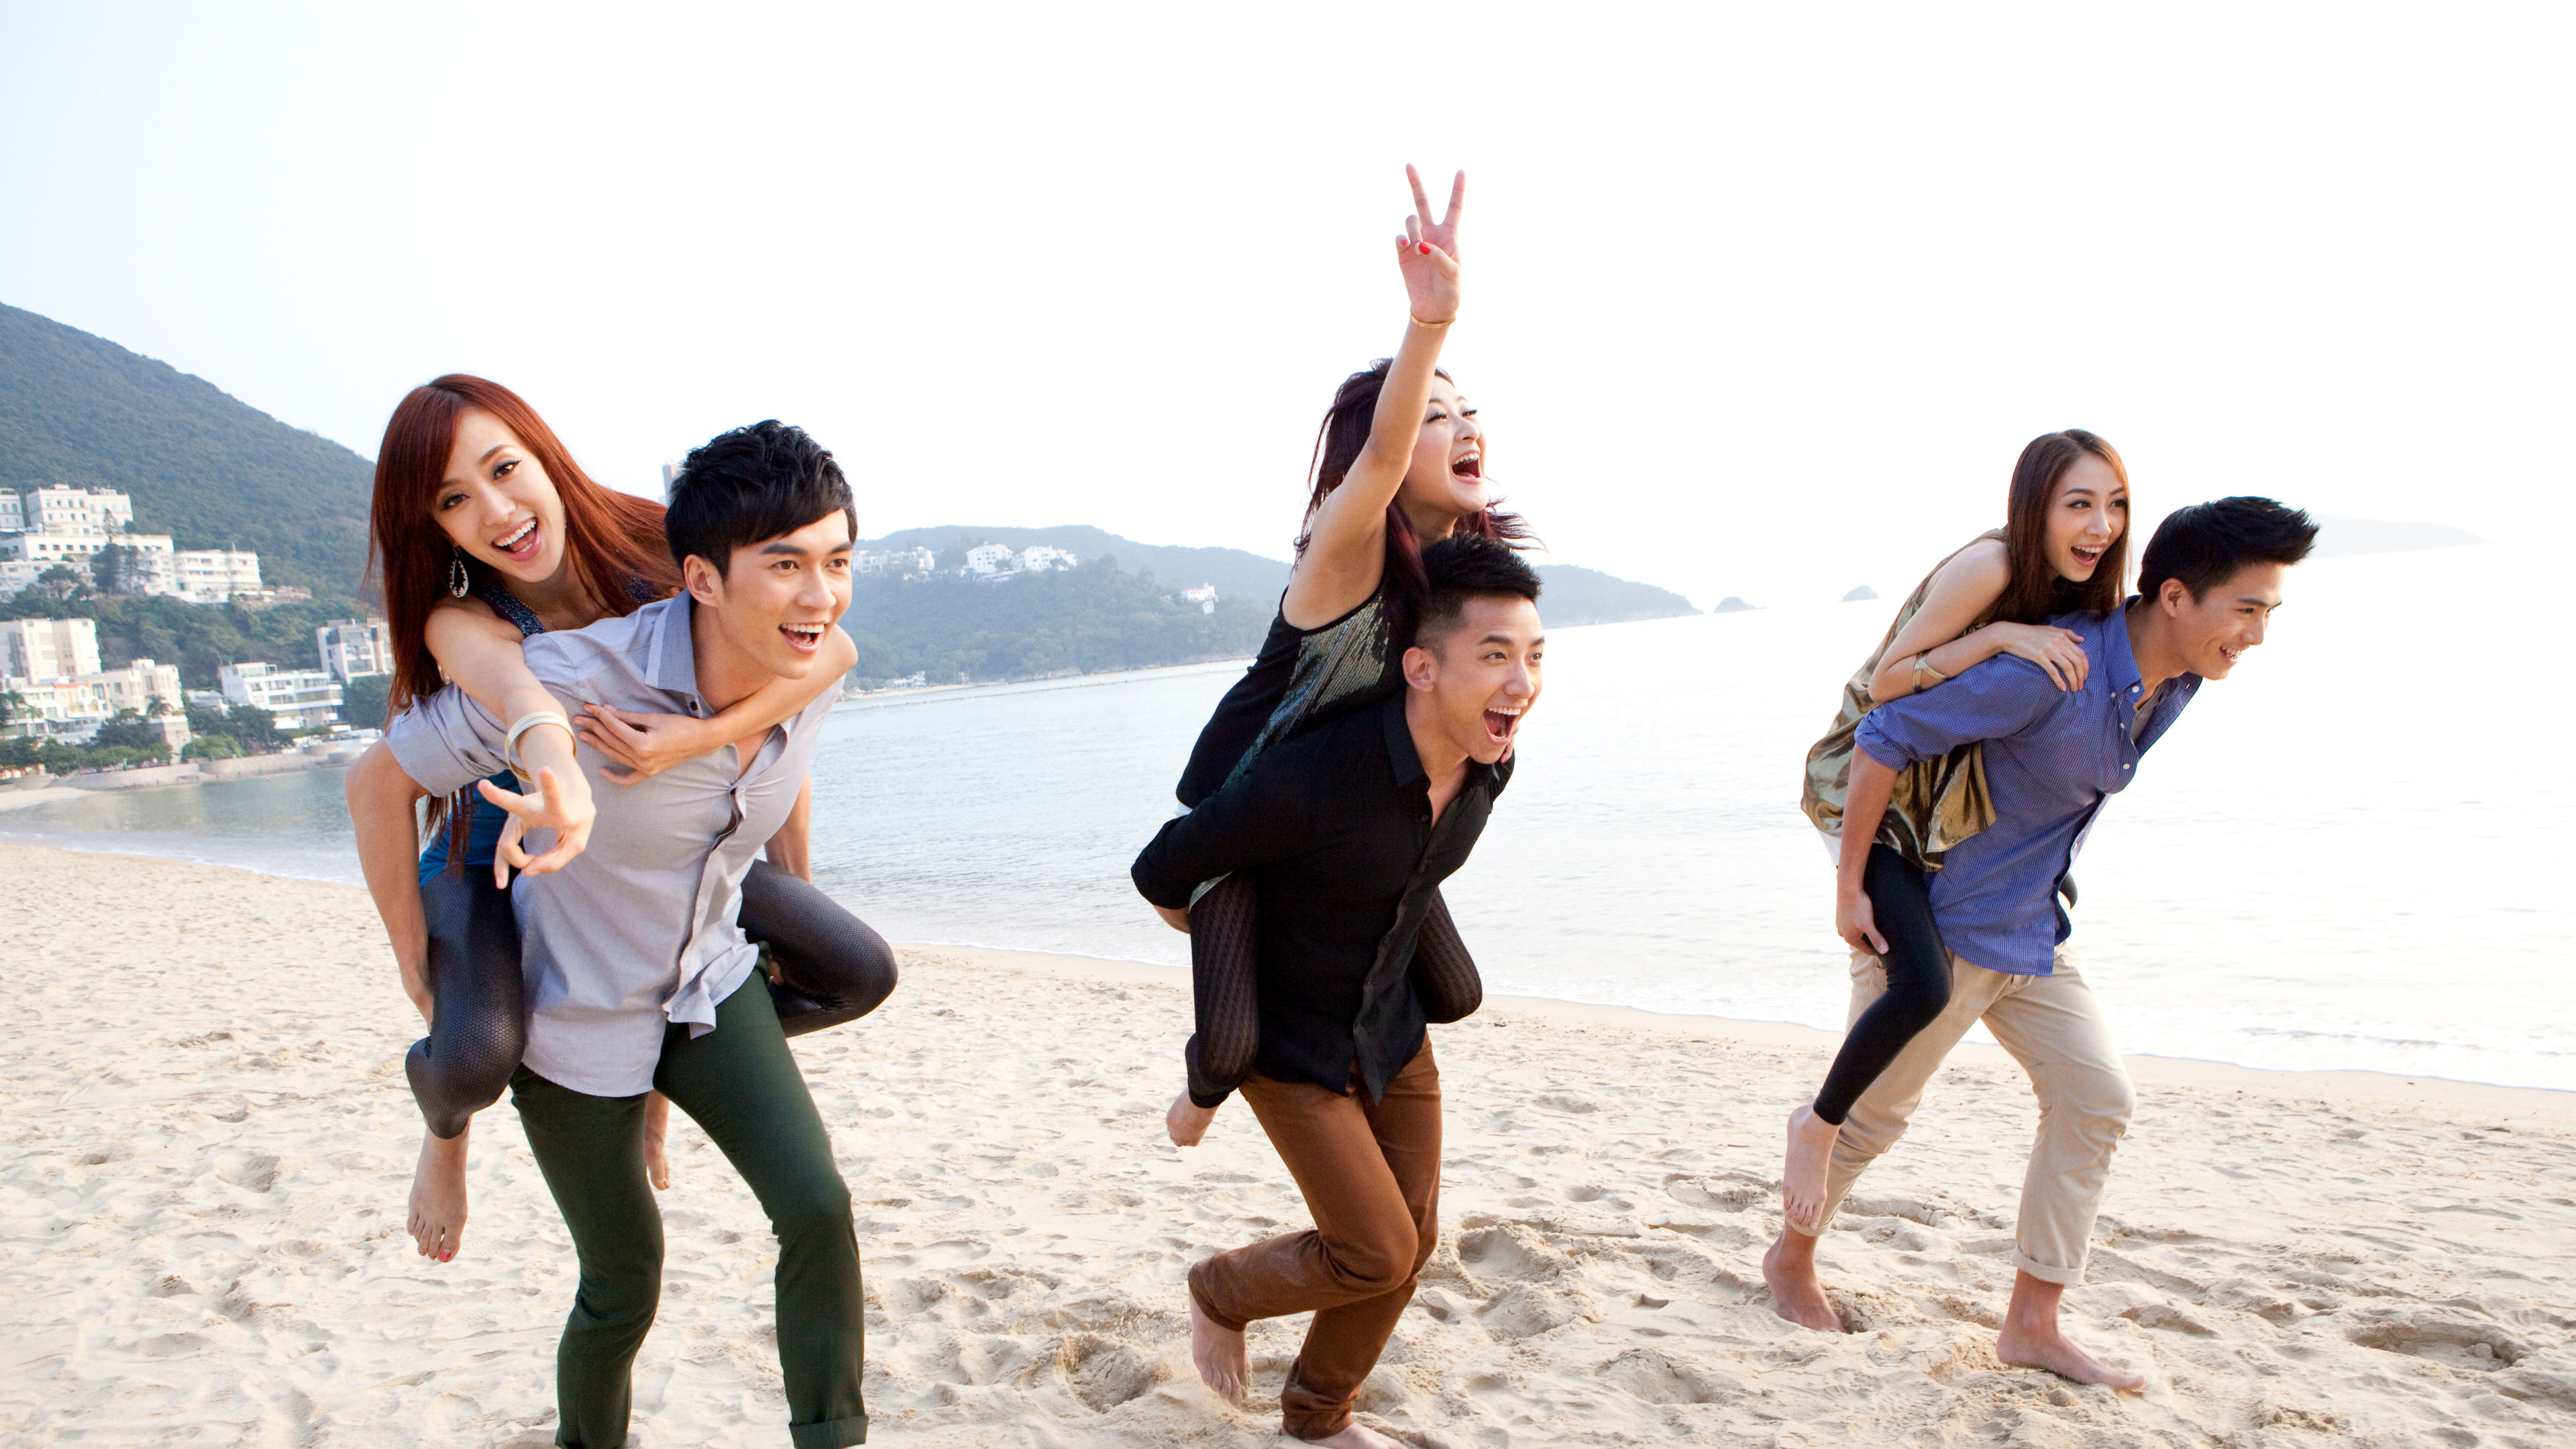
column 520, row 544
column 804, row 638
column 1470, row 467
column 2087, row 556
column 1502, row 724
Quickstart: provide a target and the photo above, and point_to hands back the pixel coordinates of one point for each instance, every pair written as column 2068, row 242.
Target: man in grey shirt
column 634, row 964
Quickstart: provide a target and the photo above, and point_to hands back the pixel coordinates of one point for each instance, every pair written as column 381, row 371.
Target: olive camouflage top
column 1937, row 803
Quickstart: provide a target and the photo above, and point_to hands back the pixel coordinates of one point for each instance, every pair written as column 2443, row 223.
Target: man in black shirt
column 1345, row 832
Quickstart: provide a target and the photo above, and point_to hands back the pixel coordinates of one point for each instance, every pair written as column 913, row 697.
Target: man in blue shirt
column 2208, row 585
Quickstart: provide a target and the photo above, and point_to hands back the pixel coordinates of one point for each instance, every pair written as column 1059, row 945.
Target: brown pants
column 1371, row 1176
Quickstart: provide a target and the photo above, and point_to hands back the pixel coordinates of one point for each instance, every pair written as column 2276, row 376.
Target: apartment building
column 299, row 698
column 352, row 648
column 48, row 648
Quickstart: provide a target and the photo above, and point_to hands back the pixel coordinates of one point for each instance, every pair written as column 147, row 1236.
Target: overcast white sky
column 1763, row 300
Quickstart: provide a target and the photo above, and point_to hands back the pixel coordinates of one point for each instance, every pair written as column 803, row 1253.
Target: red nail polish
column 1426, row 249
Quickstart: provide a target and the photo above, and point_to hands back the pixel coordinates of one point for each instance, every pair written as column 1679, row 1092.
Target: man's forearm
column 1865, row 798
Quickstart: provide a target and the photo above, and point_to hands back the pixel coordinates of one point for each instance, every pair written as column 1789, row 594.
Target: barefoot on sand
column 1811, row 1157
column 1790, row 1269
column 438, row 1196
column 2031, row 1338
column 1218, row 1353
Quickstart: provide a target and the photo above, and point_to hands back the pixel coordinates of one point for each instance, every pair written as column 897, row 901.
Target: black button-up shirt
column 1334, row 829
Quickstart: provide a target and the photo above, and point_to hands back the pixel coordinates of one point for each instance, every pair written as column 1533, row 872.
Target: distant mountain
column 1236, row 574
column 2337, row 534
column 202, row 466
column 1569, row 595
column 1572, row 595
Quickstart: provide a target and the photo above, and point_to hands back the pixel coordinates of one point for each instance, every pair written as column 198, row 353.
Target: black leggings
column 831, row 969
column 1918, row 982
column 1225, row 982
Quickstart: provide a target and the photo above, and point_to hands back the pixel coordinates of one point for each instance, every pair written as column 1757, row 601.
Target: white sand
column 208, row 1142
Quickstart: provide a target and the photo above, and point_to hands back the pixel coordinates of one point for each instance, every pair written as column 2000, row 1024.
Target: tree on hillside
column 363, row 701
column 61, row 583
column 118, row 568
column 128, row 731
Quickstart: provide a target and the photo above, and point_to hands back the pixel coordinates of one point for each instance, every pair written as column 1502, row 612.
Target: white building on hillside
column 300, row 698
column 214, row 575
column 97, row 512
column 897, row 563
column 1204, row 596
column 71, row 706
column 352, row 649
column 988, row 559
column 1037, row 558
column 48, row 648
column 13, row 515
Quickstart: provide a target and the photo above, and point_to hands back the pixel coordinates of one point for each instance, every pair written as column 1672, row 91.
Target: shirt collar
column 674, row 662
column 2123, row 660
column 1399, row 744
column 1407, row 761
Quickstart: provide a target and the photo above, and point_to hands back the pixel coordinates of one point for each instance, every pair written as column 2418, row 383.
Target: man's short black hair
column 752, row 483
column 2206, row 544
column 1467, row 566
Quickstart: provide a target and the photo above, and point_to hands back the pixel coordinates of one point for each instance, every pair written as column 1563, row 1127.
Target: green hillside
column 204, row 467
column 1574, row 595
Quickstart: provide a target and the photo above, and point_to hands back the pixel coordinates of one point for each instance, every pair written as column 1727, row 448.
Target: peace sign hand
column 1428, row 253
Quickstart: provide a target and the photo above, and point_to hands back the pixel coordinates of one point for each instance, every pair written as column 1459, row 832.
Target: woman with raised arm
column 2063, row 549
column 484, row 532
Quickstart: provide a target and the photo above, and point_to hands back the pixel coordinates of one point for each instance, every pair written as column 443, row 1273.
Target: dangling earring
column 457, row 583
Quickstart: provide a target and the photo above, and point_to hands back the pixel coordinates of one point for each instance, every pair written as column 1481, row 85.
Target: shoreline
column 2548, row 1107
column 2359, row 1084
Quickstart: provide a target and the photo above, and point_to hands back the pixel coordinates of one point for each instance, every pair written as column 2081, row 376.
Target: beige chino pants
column 2054, row 1026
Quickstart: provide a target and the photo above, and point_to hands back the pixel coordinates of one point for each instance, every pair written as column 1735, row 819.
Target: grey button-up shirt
column 639, row 930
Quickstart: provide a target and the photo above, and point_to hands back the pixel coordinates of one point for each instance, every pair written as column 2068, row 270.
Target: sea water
column 2352, row 854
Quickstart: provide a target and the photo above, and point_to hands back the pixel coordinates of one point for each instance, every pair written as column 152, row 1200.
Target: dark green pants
column 741, row 1084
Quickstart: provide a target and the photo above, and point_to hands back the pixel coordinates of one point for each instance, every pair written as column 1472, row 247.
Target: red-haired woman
column 1399, row 462
column 485, row 531
column 2063, row 549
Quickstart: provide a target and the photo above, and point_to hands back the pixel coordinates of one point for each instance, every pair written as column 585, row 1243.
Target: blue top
column 2052, row 757
column 484, row 844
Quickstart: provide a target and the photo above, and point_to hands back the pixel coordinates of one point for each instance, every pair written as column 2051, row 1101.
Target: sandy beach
column 209, row 1139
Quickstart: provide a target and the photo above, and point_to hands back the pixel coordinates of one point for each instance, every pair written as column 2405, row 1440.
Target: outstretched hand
column 1428, row 253
column 568, row 812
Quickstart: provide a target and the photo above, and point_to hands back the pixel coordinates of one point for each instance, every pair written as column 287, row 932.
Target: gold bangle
column 1923, row 666
column 1418, row 322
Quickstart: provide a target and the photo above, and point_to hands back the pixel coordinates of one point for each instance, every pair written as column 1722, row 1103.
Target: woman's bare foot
column 1218, row 1352
column 438, row 1196
column 1811, row 1158
column 1359, row 1436
column 657, row 1127
column 2030, row 1338
column 1790, row 1269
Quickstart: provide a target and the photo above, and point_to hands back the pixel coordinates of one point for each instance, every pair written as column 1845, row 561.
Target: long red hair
column 609, row 537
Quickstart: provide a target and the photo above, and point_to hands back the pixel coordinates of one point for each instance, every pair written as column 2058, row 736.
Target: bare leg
column 1811, row 1157
column 657, row 1126
column 1790, row 1269
column 1218, row 1353
column 2032, row 1339
column 438, row 1195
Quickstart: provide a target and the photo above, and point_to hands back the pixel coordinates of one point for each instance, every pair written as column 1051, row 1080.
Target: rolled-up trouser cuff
column 2048, row 1272
column 1199, row 1296
column 830, row 1434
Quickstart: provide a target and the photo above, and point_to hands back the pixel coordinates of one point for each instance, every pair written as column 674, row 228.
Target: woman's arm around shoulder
column 1965, row 588
column 643, row 745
